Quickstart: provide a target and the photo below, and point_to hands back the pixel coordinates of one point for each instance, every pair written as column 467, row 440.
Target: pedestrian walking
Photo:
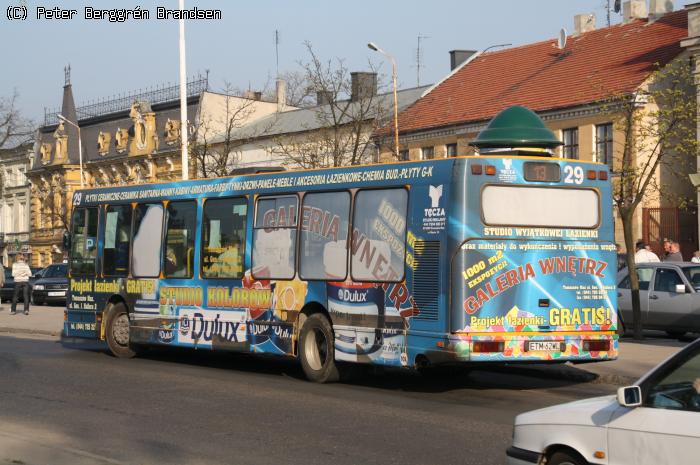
column 675, row 253
column 21, row 273
column 644, row 255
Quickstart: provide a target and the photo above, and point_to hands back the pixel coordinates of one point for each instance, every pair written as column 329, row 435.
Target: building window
column 570, row 148
column 427, row 153
column 451, row 150
column 403, row 155
column 603, row 145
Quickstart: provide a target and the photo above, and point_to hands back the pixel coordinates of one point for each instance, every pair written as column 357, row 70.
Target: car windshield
column 56, row 271
column 693, row 275
column 680, row 388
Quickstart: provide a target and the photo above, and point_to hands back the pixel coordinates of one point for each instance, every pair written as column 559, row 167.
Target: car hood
column 589, row 412
column 51, row 281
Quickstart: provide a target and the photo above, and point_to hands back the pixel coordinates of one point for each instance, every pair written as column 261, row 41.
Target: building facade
column 14, row 202
column 130, row 139
column 570, row 84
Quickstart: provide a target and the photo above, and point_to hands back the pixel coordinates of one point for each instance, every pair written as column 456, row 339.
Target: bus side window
column 379, row 235
column 115, row 261
column 147, row 234
column 179, row 239
column 84, row 241
column 324, row 236
column 275, row 237
column 223, row 238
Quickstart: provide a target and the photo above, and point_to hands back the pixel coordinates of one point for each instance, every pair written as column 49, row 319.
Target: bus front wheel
column 117, row 332
column 317, row 349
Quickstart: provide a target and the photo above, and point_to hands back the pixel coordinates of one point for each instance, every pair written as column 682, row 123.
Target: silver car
column 669, row 294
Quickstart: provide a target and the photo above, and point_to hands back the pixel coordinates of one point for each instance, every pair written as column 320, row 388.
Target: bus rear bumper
column 574, row 347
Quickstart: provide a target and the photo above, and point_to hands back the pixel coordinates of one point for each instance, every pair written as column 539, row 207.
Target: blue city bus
column 492, row 258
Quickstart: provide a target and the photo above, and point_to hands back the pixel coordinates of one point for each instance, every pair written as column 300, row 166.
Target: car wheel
column 676, row 334
column 317, row 349
column 117, row 332
column 565, row 458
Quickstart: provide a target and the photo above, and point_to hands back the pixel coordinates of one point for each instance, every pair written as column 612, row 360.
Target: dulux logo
column 352, row 296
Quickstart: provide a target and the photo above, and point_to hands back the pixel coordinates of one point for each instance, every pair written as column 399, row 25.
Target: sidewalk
column 42, row 319
column 635, row 359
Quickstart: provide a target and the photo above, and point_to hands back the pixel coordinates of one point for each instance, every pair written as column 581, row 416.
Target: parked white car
column 656, row 421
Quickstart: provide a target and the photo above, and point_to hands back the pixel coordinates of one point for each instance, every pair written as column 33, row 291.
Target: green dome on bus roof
column 516, row 126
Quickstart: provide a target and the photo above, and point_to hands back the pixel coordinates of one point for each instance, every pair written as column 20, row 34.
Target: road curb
column 4, row 329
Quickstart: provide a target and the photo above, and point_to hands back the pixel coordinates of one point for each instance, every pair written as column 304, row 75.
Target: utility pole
column 419, row 58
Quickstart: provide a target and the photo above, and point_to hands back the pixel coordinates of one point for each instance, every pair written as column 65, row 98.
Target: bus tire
column 117, row 332
column 317, row 349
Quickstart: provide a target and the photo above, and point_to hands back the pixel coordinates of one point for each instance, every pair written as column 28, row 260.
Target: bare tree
column 340, row 133
column 658, row 125
column 14, row 128
column 219, row 136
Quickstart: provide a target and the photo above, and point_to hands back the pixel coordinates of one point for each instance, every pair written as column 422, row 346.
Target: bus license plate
column 57, row 293
column 545, row 346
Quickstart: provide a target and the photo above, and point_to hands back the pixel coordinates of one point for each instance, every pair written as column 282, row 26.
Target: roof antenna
column 561, row 41
column 419, row 57
column 277, row 51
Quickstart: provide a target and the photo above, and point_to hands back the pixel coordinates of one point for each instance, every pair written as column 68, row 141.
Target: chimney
column 363, row 85
column 281, row 94
column 634, row 9
column 658, row 8
column 457, row 57
column 323, row 97
column 252, row 95
column 584, row 23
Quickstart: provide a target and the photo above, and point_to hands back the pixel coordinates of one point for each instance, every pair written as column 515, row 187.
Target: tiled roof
column 540, row 76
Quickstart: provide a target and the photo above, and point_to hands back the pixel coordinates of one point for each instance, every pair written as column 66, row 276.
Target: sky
column 110, row 58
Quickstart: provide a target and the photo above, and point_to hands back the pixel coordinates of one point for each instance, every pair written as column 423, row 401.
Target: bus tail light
column 592, row 175
column 603, row 175
column 490, row 170
column 487, row 346
column 476, row 169
column 596, row 346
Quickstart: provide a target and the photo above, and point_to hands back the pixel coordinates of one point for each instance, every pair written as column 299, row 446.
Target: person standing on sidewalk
column 21, row 273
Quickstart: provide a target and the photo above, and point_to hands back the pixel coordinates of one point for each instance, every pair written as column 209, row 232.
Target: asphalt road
column 199, row 407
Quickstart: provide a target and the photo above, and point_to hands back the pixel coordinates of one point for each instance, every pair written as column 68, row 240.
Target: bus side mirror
column 630, row 396
column 66, row 241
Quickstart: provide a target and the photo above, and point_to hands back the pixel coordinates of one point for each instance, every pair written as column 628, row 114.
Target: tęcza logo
column 435, row 193
column 507, row 164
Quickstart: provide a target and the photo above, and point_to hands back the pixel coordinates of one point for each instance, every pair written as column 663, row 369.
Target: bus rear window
column 540, row 206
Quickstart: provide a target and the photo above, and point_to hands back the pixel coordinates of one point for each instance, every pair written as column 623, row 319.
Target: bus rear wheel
column 317, row 349
column 117, row 332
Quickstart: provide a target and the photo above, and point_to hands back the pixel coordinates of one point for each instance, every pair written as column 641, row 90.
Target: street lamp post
column 373, row 46
column 183, row 100
column 80, row 146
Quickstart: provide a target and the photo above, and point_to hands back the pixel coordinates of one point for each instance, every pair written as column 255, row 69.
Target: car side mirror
column 629, row 396
column 680, row 288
